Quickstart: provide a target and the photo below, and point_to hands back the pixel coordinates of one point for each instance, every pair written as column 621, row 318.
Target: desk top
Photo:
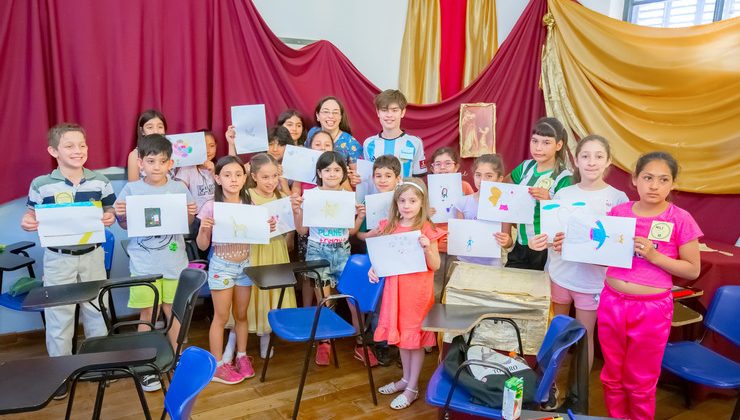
column 683, row 315
column 276, row 276
column 10, row 261
column 460, row 319
column 34, row 381
column 68, row 294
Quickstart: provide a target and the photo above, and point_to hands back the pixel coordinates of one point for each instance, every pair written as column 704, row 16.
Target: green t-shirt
column 526, row 174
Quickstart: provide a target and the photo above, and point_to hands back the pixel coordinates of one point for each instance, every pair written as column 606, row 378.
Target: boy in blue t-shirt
column 392, row 140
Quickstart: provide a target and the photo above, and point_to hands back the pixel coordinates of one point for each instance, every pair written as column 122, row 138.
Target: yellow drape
column 647, row 89
column 419, row 73
column 481, row 38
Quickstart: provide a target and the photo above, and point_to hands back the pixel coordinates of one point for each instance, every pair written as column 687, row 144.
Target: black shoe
column 382, row 353
column 552, row 401
column 62, row 392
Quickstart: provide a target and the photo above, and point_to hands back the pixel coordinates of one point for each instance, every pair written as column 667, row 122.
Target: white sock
column 241, row 354
column 264, row 342
column 230, row 347
column 220, row 363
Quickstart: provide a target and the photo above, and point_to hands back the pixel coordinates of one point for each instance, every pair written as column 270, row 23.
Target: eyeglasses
column 326, row 112
column 443, row 164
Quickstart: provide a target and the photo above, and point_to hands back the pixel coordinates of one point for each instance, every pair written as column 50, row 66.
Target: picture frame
column 477, row 129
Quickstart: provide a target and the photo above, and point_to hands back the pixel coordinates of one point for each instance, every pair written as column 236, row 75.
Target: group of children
column 632, row 306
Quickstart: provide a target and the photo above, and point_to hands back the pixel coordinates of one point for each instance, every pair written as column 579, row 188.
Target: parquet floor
column 329, row 393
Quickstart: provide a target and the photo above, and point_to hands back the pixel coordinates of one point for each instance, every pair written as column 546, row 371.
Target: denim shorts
column 336, row 254
column 224, row 274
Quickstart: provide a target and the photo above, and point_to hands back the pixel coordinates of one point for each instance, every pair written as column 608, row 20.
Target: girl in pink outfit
column 636, row 306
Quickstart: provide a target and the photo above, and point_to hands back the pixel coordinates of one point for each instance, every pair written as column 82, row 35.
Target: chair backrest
column 563, row 332
column 108, row 246
column 722, row 315
column 194, row 371
column 354, row 282
column 188, row 286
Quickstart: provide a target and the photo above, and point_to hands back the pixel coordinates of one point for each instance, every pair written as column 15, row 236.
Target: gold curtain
column 419, row 73
column 481, row 38
column 647, row 89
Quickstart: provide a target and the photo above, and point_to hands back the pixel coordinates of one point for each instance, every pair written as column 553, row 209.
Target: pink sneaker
column 322, row 354
column 244, row 366
column 226, row 374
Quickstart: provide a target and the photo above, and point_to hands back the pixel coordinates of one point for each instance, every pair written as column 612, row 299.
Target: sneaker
column 226, row 374
column 62, row 392
column 322, row 354
column 244, row 366
column 552, row 400
column 359, row 355
column 150, row 383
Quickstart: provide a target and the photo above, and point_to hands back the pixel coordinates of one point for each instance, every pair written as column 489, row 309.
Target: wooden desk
column 683, row 315
column 34, row 381
column 74, row 293
column 460, row 319
column 280, row 276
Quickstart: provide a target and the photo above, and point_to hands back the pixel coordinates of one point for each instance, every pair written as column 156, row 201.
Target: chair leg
column 99, row 400
column 70, row 398
column 736, row 412
column 686, row 388
column 306, row 361
column 369, row 370
column 140, row 392
column 334, row 353
column 75, row 329
column 267, row 360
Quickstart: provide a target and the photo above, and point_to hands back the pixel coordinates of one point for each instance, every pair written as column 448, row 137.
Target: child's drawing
column 157, row 214
column 152, row 217
column 240, row 229
column 603, row 240
column 188, row 149
column 328, row 209
column 554, row 215
column 251, row 128
column 377, row 208
column 299, row 164
column 396, row 254
column 444, row 191
column 501, row 202
column 240, row 224
column 473, row 238
column 283, row 214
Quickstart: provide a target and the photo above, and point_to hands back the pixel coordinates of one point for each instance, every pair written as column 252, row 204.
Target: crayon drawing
column 501, row 202
column 188, row 149
column 602, row 240
column 554, row 215
column 444, row 191
column 240, row 224
column 396, row 254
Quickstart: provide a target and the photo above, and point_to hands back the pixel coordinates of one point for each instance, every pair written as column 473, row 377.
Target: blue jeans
column 336, row 254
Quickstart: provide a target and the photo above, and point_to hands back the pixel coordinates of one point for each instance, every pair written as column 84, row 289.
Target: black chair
column 190, row 282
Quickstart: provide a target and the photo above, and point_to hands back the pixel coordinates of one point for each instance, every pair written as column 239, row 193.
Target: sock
column 220, row 363
column 241, row 354
column 264, row 342
column 230, row 347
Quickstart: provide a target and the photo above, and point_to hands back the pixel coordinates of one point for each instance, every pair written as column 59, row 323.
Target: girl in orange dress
column 400, row 323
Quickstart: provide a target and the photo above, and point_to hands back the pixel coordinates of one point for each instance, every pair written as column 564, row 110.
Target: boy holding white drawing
column 70, row 182
column 163, row 254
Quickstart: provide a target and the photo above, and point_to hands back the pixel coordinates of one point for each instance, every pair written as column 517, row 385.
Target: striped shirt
column 407, row 148
column 526, row 174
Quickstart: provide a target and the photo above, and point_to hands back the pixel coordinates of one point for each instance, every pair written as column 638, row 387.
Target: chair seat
column 698, row 364
column 15, row 303
column 438, row 388
column 128, row 341
column 295, row 324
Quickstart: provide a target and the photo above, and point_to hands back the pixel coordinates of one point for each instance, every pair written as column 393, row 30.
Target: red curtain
column 452, row 46
column 100, row 63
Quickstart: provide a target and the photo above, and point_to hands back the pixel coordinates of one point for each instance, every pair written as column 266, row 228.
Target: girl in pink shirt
column 636, row 306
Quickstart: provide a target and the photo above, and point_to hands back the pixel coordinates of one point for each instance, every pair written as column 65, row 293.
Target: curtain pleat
column 420, row 52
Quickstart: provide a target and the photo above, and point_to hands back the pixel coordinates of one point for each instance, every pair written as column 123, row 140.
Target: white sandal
column 390, row 389
column 401, row 401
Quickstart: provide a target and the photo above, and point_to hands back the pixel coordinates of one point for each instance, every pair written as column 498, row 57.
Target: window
column 679, row 13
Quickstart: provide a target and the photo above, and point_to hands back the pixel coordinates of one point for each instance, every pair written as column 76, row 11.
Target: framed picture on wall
column 477, row 129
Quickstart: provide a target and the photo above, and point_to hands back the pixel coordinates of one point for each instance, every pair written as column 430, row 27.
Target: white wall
column 369, row 33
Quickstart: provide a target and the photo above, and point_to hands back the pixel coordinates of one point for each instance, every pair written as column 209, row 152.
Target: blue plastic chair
column 317, row 323
column 443, row 391
column 194, row 371
column 16, row 302
column 692, row 361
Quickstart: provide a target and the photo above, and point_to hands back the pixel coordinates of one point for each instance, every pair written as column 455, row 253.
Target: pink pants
column 633, row 332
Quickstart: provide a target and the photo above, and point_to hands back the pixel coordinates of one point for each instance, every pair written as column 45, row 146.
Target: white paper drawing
column 510, row 203
column 70, row 224
column 473, row 238
column 396, row 254
column 188, row 149
column 602, row 240
column 250, row 124
column 444, row 191
column 240, row 224
column 156, row 214
column 283, row 213
column 554, row 215
column 377, row 208
column 365, row 170
column 328, row 209
column 299, row 164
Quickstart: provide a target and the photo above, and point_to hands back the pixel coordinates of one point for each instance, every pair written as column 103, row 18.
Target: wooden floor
column 329, row 393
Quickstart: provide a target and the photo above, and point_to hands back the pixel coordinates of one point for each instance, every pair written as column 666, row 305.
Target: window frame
column 629, row 6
